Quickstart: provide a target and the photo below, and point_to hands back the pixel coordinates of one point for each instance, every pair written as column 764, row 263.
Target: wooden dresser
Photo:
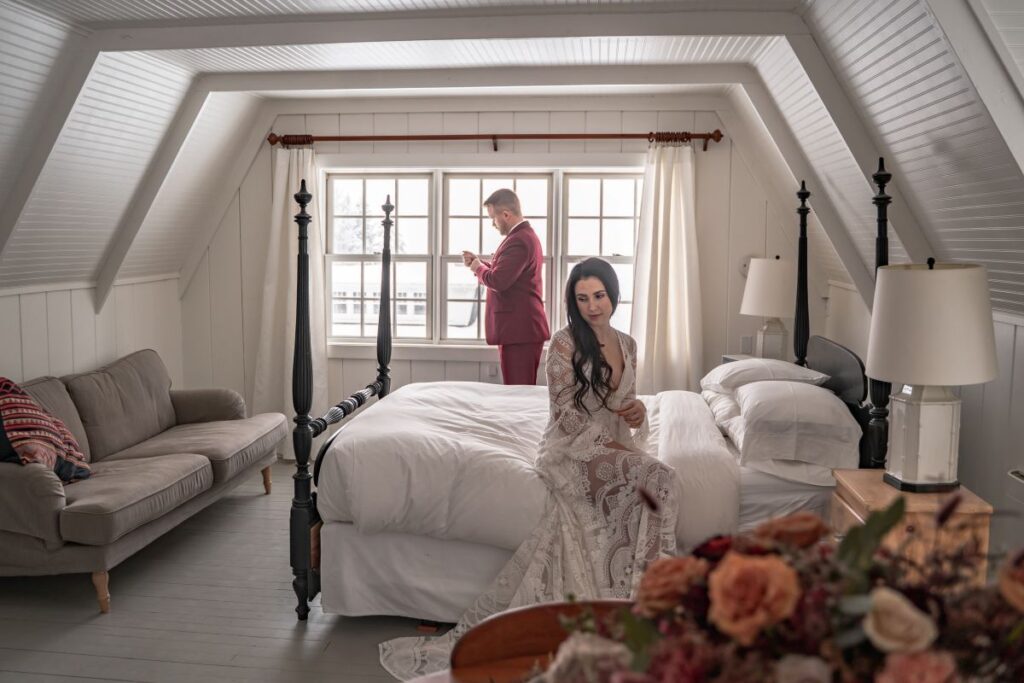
column 860, row 492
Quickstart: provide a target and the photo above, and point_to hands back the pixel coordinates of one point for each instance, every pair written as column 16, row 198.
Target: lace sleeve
column 570, row 429
column 641, row 433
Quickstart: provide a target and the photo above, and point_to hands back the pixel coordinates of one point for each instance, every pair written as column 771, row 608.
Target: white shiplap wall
column 940, row 142
column 992, row 415
column 735, row 220
column 97, row 162
column 58, row 332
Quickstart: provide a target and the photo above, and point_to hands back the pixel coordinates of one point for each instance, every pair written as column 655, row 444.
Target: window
column 435, row 298
column 600, row 217
column 467, row 227
column 354, row 252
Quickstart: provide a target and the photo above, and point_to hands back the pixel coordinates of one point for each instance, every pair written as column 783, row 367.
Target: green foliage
column 639, row 635
column 857, row 550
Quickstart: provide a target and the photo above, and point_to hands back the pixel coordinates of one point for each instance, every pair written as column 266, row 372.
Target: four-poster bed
column 409, row 559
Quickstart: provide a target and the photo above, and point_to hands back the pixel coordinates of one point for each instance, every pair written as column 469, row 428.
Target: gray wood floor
column 209, row 601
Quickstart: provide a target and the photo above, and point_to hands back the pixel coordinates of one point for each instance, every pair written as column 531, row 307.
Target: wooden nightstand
column 860, row 492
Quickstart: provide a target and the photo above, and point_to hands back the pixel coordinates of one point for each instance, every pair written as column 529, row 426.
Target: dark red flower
column 714, row 548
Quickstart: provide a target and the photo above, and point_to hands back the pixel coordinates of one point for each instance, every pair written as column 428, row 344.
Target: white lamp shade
column 770, row 289
column 932, row 327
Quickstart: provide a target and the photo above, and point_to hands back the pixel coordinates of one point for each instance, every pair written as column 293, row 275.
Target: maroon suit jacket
column 514, row 278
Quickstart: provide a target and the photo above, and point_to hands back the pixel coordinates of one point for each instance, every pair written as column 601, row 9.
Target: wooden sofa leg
column 101, row 581
column 266, row 480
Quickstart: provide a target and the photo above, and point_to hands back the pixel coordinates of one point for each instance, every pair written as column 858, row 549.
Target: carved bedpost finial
column 303, row 197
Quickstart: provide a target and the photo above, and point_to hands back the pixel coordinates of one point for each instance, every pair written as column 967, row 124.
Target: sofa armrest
column 31, row 499
column 207, row 405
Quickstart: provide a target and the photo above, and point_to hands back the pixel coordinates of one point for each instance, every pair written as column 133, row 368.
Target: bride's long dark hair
column 588, row 349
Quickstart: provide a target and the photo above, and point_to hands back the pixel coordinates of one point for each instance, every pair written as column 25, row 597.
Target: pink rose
column 930, row 666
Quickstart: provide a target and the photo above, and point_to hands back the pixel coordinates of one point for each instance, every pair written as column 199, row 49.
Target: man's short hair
column 504, row 199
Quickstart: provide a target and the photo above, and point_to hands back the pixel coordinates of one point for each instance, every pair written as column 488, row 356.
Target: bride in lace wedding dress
column 597, row 533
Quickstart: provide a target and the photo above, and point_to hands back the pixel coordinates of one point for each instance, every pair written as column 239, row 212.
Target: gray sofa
column 158, row 456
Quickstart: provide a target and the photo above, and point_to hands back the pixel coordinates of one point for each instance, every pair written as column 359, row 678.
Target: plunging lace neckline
column 625, row 361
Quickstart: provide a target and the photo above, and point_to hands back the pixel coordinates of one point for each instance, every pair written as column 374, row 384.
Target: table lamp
column 770, row 293
column 931, row 329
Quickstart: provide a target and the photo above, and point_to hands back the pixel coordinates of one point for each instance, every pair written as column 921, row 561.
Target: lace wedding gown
column 596, row 535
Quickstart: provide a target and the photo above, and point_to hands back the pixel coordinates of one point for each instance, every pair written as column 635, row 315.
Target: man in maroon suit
column 514, row 278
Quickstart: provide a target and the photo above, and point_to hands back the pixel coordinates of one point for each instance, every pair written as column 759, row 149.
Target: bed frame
column 842, row 365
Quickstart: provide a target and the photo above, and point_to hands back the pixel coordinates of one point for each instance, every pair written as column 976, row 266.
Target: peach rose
column 749, row 593
column 1011, row 581
column 801, row 529
column 666, row 582
column 919, row 667
column 894, row 624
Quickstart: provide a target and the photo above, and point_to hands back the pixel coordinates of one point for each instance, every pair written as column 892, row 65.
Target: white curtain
column 666, row 320
column 273, row 385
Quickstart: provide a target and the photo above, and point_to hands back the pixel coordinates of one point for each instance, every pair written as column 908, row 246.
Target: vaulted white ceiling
column 110, row 149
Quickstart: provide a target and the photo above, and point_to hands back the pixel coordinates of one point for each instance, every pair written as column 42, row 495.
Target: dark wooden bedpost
column 878, row 427
column 302, row 398
column 801, row 323
column 384, row 320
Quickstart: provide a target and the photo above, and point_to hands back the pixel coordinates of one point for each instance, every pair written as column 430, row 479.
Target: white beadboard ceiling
column 435, row 54
column 120, row 11
column 824, row 147
column 29, row 45
column 187, row 198
column 942, row 144
column 891, row 58
column 119, row 119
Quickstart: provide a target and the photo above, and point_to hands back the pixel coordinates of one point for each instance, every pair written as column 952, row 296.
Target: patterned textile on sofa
column 28, row 434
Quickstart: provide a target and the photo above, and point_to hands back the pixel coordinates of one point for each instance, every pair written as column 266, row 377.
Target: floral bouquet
column 786, row 605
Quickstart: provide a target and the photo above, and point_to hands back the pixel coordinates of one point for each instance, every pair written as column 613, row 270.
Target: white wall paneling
column 738, row 216
column 58, row 332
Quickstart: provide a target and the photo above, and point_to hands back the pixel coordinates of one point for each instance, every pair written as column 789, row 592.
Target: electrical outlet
column 747, row 344
column 492, row 370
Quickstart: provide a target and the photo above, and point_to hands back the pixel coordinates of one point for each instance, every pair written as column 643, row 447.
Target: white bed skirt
column 403, row 575
column 407, row 575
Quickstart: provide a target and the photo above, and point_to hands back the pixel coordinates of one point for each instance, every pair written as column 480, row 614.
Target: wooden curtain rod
column 682, row 136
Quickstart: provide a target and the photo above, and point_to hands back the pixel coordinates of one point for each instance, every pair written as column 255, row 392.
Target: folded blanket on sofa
column 29, row 434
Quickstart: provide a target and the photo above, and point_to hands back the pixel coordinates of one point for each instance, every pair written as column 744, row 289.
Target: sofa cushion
column 123, row 403
column 123, row 495
column 53, row 396
column 31, row 498
column 231, row 445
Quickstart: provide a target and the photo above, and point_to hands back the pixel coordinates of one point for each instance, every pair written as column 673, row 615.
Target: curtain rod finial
column 273, row 139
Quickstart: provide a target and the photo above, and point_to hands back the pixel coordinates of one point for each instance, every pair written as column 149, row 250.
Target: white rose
column 802, row 669
column 588, row 657
column 894, row 624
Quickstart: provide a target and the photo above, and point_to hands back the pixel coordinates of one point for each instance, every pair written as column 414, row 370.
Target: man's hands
column 633, row 412
column 471, row 260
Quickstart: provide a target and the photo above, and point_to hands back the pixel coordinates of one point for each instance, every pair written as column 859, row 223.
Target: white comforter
column 454, row 460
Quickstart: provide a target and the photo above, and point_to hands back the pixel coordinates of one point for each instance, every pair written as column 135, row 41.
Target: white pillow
column 724, row 407
column 794, row 421
column 728, row 377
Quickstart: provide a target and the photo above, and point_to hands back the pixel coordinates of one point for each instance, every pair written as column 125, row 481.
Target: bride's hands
column 633, row 412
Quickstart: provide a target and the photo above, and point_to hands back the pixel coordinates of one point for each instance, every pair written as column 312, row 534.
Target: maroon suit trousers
column 519, row 362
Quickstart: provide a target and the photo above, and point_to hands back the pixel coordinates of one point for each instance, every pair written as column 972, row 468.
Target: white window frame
column 555, row 259
column 565, row 258
column 444, row 258
column 330, row 258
